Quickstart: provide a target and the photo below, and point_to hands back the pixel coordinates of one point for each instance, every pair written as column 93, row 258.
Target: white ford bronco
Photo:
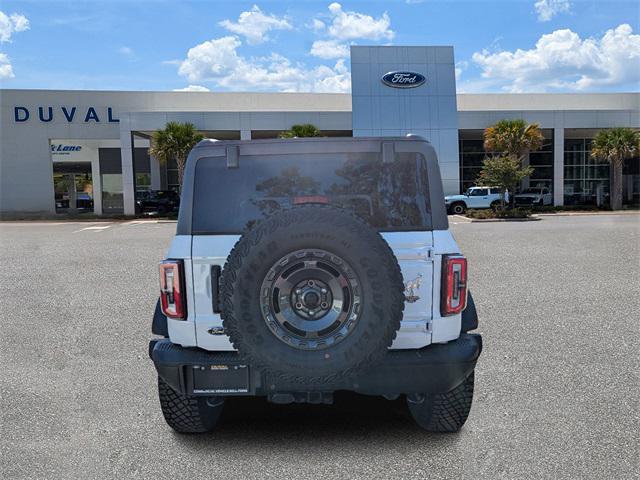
column 302, row 267
column 474, row 197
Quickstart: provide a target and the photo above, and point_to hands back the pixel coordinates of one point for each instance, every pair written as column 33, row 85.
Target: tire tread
column 251, row 238
column 445, row 412
column 186, row 414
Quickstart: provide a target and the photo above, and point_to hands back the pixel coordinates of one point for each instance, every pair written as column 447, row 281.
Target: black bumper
column 433, row 369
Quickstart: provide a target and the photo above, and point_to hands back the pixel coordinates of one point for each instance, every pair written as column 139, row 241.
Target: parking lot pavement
column 556, row 393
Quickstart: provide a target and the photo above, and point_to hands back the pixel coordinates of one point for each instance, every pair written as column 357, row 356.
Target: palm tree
column 514, row 138
column 299, row 131
column 615, row 146
column 175, row 141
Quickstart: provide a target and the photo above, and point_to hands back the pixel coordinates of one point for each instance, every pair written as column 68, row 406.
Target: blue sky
column 500, row 46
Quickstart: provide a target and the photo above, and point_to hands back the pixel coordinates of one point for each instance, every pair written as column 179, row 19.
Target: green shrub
column 514, row 213
column 482, row 214
column 506, row 213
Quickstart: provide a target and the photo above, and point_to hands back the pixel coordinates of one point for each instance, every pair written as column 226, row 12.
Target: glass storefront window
column 472, row 155
column 586, row 180
column 73, row 187
column 172, row 179
column 112, row 193
column 143, row 182
column 111, row 176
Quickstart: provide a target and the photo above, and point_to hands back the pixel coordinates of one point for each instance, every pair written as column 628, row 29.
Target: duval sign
column 68, row 114
column 403, row 79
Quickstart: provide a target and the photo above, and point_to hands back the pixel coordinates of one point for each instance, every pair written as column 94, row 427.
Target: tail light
column 172, row 292
column 453, row 285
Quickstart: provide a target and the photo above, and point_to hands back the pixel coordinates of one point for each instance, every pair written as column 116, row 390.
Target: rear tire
column 458, row 208
column 443, row 412
column 337, row 259
column 495, row 205
column 188, row 414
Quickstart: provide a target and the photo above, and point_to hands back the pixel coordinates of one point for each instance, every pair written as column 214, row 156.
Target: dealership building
column 90, row 148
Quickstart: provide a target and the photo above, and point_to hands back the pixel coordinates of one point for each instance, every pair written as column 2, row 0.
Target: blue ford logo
column 403, row 79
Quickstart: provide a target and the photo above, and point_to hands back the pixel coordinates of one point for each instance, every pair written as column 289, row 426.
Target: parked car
column 474, row 197
column 534, row 196
column 158, row 202
column 275, row 286
column 84, row 201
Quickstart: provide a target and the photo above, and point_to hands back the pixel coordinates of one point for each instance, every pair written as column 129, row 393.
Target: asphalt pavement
column 557, row 386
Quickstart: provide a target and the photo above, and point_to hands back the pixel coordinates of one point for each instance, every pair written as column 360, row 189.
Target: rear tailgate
column 412, row 249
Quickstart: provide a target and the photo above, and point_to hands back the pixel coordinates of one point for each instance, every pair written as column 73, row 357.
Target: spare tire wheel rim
column 310, row 299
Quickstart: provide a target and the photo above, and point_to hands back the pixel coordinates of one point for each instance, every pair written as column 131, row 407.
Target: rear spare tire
column 312, row 293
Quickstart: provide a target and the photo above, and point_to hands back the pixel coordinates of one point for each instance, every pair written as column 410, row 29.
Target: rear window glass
column 389, row 196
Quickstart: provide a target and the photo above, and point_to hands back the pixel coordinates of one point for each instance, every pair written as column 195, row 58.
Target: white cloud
column 329, row 49
column 254, row 25
column 126, row 51
column 192, row 88
column 211, row 59
column 562, row 60
column 412, row 2
column 547, row 9
column 316, row 25
column 10, row 24
column 460, row 67
column 348, row 26
column 352, row 25
column 218, row 61
column 6, row 70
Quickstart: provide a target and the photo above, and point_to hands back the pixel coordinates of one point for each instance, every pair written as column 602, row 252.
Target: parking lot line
column 94, row 228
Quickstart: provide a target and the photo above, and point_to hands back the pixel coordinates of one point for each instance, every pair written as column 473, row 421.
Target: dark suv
column 159, row 202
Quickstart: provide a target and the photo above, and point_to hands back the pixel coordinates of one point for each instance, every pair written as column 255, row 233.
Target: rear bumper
column 433, row 369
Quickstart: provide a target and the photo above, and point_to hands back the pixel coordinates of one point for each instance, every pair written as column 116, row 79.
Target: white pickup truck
column 474, row 197
column 534, row 196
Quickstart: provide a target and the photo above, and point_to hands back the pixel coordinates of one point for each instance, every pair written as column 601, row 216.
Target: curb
column 577, row 214
column 494, row 220
column 86, row 220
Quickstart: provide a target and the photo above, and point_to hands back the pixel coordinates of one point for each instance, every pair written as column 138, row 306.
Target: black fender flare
column 159, row 324
column 469, row 315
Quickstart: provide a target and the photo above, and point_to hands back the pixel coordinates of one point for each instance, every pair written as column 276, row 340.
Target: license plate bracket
column 220, row 379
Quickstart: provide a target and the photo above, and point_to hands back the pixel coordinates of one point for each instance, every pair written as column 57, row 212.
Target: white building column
column 245, row 134
column 96, row 181
column 558, row 166
column 126, row 155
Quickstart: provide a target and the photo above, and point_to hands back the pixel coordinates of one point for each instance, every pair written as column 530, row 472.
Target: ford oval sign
column 403, row 79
